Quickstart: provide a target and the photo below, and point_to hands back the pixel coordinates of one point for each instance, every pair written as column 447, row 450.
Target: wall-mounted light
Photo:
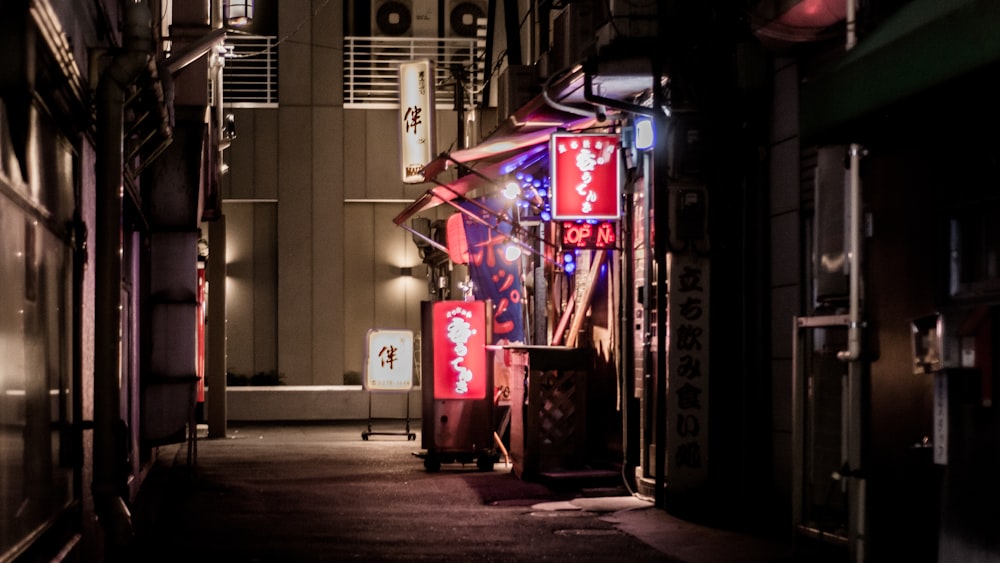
column 229, row 127
column 237, row 12
column 644, row 134
column 406, row 272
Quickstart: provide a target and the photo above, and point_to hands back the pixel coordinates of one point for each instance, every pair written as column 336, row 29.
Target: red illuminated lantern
column 586, row 176
column 458, row 245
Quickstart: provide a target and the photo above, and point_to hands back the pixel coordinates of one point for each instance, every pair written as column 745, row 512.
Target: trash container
column 457, row 385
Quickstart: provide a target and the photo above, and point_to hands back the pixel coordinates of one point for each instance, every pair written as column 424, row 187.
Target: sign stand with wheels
column 389, row 369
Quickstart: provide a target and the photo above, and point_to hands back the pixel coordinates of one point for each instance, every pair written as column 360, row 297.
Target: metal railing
column 371, row 66
column 250, row 74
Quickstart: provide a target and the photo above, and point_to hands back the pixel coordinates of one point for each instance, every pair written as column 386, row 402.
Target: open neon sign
column 600, row 235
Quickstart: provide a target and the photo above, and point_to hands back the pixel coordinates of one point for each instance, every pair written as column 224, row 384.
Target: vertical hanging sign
column 495, row 276
column 389, row 360
column 416, row 118
column 687, row 397
column 586, row 176
column 460, row 361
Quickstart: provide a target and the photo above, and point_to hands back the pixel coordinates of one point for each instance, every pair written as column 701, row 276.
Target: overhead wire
column 283, row 38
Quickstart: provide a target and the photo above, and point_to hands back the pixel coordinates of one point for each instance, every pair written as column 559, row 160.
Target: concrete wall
column 786, row 269
column 318, row 403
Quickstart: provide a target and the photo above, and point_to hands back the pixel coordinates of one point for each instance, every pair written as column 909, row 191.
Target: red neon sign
column 586, row 180
column 587, row 235
column 460, row 361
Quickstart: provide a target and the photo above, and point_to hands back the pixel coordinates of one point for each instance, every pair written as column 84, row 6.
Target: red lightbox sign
column 599, row 235
column 586, row 182
column 460, row 360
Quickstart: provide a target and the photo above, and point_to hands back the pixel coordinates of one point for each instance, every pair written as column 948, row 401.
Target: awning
column 484, row 176
column 924, row 44
column 501, row 146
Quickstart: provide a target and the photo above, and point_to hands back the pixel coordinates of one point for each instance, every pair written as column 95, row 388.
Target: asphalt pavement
column 319, row 492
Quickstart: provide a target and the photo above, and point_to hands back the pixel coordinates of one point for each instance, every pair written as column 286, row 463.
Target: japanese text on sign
column 585, row 176
column 688, row 365
column 497, row 276
column 389, row 360
column 416, row 114
column 460, row 349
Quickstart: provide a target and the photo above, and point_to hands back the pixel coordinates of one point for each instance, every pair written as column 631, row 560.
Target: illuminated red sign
column 460, row 361
column 588, row 235
column 585, row 176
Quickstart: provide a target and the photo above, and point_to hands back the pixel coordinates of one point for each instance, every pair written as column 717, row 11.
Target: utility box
column 458, row 403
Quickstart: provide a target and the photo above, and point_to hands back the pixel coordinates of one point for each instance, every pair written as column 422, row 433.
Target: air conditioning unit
column 404, row 18
column 466, row 19
column 573, row 36
column 461, row 17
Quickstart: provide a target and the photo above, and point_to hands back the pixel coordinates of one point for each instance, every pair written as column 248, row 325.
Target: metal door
column 828, row 489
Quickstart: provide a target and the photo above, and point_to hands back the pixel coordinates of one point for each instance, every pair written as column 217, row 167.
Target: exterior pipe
column 196, row 50
column 109, row 455
column 563, row 107
column 852, row 36
column 853, row 351
column 856, row 487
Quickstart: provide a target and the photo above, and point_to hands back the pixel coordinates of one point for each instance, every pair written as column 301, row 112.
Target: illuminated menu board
column 460, row 360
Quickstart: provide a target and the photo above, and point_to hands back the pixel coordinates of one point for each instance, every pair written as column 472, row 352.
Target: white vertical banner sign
column 416, row 118
column 389, row 360
column 687, row 360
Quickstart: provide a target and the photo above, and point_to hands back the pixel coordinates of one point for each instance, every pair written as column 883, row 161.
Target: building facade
column 110, row 165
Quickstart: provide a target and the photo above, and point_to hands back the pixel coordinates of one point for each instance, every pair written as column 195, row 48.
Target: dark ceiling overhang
column 925, row 44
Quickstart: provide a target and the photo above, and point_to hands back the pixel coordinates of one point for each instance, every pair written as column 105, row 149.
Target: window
column 36, row 391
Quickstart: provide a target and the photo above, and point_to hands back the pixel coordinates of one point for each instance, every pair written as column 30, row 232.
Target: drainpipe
column 853, row 351
column 109, row 454
column 853, row 427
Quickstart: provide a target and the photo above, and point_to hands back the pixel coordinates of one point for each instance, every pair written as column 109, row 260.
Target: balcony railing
column 250, row 74
column 371, row 66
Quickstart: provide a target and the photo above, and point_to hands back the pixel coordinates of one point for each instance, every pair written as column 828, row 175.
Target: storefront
column 553, row 219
